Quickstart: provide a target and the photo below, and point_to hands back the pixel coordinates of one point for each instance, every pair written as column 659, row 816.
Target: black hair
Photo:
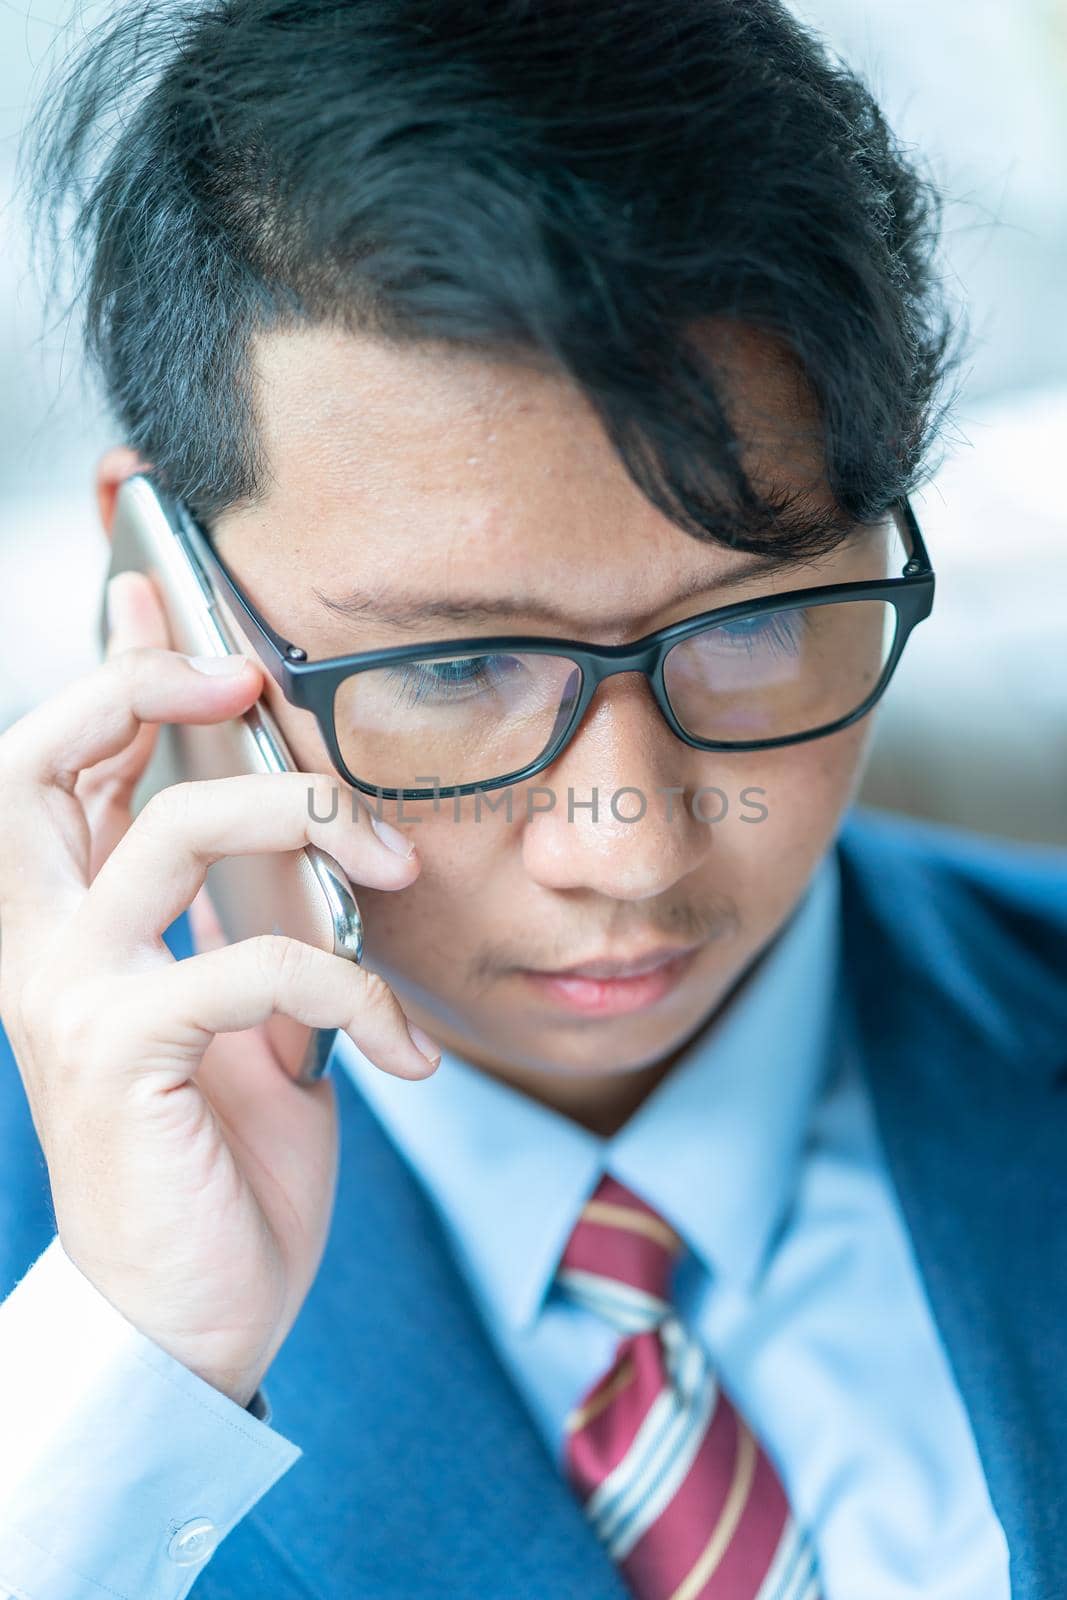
column 574, row 183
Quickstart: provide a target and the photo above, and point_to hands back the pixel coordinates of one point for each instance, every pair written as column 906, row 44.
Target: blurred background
column 974, row 728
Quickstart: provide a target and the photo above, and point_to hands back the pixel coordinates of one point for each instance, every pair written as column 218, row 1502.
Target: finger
column 41, row 756
column 105, row 794
column 97, row 716
column 241, row 985
column 136, row 619
column 186, row 827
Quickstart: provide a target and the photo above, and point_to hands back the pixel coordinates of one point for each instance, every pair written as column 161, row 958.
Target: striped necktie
column 679, row 1491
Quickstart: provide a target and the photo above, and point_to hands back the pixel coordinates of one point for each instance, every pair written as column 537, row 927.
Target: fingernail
column 391, row 836
column 218, row 666
column 424, row 1044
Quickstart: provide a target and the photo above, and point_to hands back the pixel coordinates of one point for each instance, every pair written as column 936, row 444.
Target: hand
column 192, row 1178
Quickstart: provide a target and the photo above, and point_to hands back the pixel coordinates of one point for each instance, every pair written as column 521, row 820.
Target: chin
column 603, row 1048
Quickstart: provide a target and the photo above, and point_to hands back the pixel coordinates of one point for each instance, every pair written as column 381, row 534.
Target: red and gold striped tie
column 679, row 1491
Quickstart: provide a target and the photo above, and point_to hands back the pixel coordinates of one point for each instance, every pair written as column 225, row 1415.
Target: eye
column 454, row 679
column 777, row 633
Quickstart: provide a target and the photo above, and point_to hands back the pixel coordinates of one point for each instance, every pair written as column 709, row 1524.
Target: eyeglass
column 471, row 715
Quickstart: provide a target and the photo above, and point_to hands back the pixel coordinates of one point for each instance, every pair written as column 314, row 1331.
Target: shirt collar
column 715, row 1147
column 507, row 1175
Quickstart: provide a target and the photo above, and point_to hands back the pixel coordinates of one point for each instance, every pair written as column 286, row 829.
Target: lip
column 587, row 996
column 621, row 966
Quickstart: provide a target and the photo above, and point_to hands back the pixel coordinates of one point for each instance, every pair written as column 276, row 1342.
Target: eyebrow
column 401, row 609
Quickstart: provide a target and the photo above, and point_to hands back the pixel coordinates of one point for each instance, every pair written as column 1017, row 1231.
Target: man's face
column 417, row 472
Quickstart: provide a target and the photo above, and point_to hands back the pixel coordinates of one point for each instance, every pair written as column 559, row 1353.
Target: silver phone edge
column 347, row 942
column 344, row 911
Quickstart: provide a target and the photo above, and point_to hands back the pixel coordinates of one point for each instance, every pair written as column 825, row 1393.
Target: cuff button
column 193, row 1542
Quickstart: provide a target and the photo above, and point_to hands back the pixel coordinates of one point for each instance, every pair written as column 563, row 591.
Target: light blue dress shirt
column 760, row 1148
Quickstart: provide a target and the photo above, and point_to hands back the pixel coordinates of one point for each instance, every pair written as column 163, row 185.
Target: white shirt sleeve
column 120, row 1469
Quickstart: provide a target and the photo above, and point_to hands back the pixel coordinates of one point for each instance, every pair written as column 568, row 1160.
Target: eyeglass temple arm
column 919, row 560
column 277, row 653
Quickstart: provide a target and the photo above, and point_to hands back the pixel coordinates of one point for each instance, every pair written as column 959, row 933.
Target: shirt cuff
column 120, row 1469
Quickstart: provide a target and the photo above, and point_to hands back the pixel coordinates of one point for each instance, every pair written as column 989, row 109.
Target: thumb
column 135, row 620
column 135, row 615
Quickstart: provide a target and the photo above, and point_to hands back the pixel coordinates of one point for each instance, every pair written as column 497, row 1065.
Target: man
column 701, row 1141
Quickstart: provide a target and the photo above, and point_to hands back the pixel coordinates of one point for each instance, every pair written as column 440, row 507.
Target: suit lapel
column 422, row 1474
column 963, row 1033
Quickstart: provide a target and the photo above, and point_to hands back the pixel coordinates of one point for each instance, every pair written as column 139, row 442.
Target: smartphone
column 305, row 893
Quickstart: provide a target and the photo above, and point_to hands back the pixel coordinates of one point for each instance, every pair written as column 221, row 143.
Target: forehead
column 360, row 410
column 441, row 464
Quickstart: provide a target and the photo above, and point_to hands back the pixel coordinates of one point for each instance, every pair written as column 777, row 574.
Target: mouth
column 613, row 987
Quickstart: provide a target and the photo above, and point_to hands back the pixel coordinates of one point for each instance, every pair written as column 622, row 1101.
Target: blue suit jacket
column 423, row 1476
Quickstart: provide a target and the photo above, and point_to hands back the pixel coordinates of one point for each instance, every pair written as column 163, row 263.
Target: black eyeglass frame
column 312, row 685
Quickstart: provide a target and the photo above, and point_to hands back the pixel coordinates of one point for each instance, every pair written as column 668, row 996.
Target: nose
column 615, row 817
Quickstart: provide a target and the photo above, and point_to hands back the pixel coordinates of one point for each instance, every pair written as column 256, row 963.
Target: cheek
column 809, row 784
column 464, row 891
column 785, row 808
column 413, row 929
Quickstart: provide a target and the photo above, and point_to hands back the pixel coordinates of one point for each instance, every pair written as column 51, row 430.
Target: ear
column 112, row 468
